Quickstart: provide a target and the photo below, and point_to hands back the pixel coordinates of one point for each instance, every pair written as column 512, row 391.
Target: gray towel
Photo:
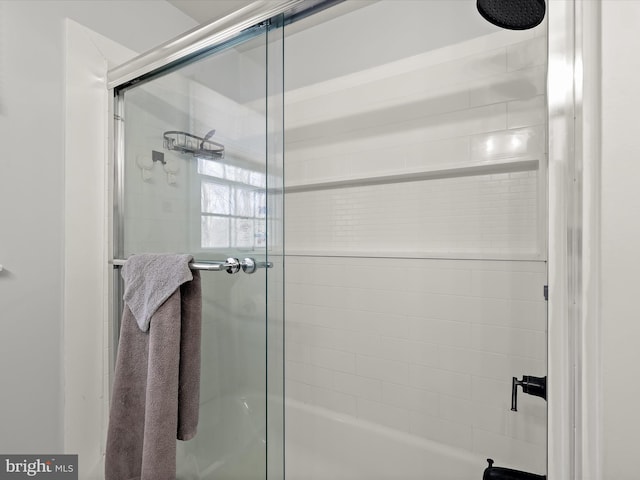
column 150, row 279
column 157, row 379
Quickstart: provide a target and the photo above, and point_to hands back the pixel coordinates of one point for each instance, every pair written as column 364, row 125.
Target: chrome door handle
column 248, row 265
column 232, row 265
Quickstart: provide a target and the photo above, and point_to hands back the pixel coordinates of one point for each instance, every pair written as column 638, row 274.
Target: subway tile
column 441, row 381
column 519, row 365
column 340, row 403
column 449, row 433
column 474, row 362
column 438, row 153
column 528, row 428
column 386, row 415
column 357, row 386
column 393, row 326
column 510, row 341
column 382, row 369
column 333, row 359
column 511, row 313
column 297, row 391
column 328, row 317
column 455, row 409
column 296, row 352
column 529, row 141
column 441, row 332
column 360, row 320
column 298, row 332
column 490, row 417
column 431, row 89
column 506, row 450
column 527, row 54
column 525, row 113
column 395, row 349
column 328, row 338
column 327, row 170
column 433, row 220
column 296, row 172
column 423, row 353
column 341, row 120
column 438, row 281
column 455, row 308
column 480, row 119
column 514, row 85
column 509, row 285
column 299, row 313
column 309, row 374
column 362, row 342
column 491, row 391
column 410, row 398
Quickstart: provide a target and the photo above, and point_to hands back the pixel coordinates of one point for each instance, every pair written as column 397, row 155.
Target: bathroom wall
column 620, row 236
column 156, row 203
column 161, row 211
column 415, row 235
column 32, row 209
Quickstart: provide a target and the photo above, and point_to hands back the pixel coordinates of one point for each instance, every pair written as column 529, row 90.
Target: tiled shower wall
column 154, row 212
column 425, row 346
column 411, row 304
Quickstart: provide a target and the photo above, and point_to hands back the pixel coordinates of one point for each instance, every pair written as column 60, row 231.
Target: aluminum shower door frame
column 574, row 385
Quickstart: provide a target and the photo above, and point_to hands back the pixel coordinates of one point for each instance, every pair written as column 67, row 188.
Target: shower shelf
column 199, row 147
column 476, row 169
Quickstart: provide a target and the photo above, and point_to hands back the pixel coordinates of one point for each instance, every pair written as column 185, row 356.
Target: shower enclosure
column 366, row 186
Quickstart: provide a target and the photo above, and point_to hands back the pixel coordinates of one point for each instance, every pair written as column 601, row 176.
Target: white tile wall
column 155, row 217
column 435, row 360
column 379, row 325
column 420, row 112
column 478, row 109
column 165, row 217
column 480, row 215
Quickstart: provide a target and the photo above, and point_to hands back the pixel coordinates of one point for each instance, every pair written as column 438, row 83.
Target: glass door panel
column 416, row 254
column 195, row 177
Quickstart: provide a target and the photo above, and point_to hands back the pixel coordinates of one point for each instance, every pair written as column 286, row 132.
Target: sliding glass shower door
column 416, row 258
column 416, row 238
column 198, row 171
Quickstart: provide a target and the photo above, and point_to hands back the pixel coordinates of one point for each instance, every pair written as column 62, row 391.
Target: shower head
column 513, row 14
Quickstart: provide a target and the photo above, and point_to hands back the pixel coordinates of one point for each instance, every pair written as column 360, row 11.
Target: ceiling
column 205, row 11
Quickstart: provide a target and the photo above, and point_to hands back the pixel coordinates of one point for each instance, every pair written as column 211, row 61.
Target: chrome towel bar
column 230, row 265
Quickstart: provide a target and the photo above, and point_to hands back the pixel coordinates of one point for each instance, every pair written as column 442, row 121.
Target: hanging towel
column 157, row 377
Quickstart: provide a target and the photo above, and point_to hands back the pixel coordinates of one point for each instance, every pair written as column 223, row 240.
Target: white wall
column 620, row 317
column 32, row 126
column 477, row 106
column 423, row 346
column 86, row 353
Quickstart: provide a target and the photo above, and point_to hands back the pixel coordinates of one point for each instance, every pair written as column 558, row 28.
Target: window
column 233, row 206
